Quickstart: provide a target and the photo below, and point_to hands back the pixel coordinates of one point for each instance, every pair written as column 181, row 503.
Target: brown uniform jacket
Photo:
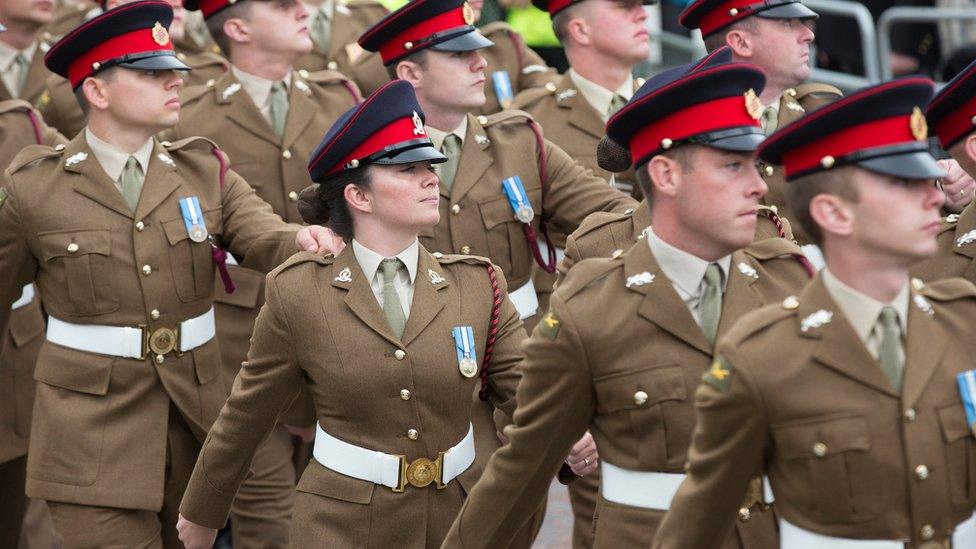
column 69, row 15
column 794, row 103
column 320, row 329
column 841, row 447
column 62, row 111
column 99, row 432
column 582, row 369
column 20, row 127
column 957, row 249
column 36, row 76
column 476, row 217
column 350, row 20
column 525, row 69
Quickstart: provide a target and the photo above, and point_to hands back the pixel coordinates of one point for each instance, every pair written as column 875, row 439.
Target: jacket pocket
column 191, row 262
column 960, row 454
column 249, row 284
column 79, row 258
column 322, row 481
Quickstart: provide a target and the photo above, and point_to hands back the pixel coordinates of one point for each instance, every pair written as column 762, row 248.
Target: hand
column 305, row 433
column 319, row 240
column 501, row 437
column 958, row 186
column 583, row 458
column 195, row 536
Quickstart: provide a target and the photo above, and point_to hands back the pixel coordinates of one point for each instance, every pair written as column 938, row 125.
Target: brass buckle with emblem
column 160, row 341
column 421, row 472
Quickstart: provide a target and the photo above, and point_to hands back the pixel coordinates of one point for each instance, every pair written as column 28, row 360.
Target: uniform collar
column 596, row 95
column 8, row 53
column 682, row 268
column 861, row 310
column 327, row 7
column 259, row 89
column 369, row 261
column 113, row 160
column 437, row 137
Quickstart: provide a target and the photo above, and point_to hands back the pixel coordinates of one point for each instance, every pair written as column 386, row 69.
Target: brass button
column 640, row 398
column 616, row 254
column 744, row 514
column 791, row 92
column 917, row 284
column 550, row 87
column 72, row 248
column 59, row 147
column 160, row 359
column 437, row 255
column 332, row 65
column 921, row 472
column 303, row 73
column 456, row 209
column 413, row 434
column 140, row 226
column 482, row 120
column 465, row 249
column 791, row 302
column 293, row 196
column 768, row 170
column 404, row 394
column 146, row 270
column 909, row 414
column 628, row 211
column 820, row 449
column 286, row 154
column 154, row 314
column 400, row 354
column 927, row 532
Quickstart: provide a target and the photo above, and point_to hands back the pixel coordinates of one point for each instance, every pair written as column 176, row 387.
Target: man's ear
column 96, row 93
column 579, row 31
column 741, row 43
column 410, row 72
column 236, row 30
column 665, row 175
column 833, row 214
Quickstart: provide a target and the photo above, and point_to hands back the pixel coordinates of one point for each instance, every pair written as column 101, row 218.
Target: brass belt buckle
column 160, row 341
column 420, row 472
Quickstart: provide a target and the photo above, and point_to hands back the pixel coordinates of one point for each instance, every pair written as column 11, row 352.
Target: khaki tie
column 890, row 354
column 452, row 150
column 321, row 31
column 131, row 180
column 391, row 299
column 279, row 107
column 769, row 120
column 616, row 103
column 23, row 69
column 711, row 301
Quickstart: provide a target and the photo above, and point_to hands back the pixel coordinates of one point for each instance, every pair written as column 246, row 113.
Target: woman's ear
column 358, row 199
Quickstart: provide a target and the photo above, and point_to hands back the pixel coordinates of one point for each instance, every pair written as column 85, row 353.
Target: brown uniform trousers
column 525, row 69
column 62, row 111
column 841, row 447
column 350, row 20
column 20, row 126
column 36, row 76
column 369, row 388
column 275, row 167
column 793, row 104
column 628, row 378
column 600, row 235
column 957, row 249
column 113, row 437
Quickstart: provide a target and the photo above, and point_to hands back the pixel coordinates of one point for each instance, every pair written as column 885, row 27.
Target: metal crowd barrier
column 910, row 14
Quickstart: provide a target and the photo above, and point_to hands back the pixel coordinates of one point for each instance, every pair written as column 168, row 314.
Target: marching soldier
column 284, row 114
column 629, row 377
column 855, row 395
column 119, row 233
column 22, row 49
column 20, row 126
column 61, row 108
column 70, row 14
column 392, row 340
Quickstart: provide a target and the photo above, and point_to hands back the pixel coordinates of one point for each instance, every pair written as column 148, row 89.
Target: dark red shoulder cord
column 496, row 309
column 36, row 124
column 219, row 254
column 519, row 56
column 548, row 264
column 807, row 266
column 352, row 91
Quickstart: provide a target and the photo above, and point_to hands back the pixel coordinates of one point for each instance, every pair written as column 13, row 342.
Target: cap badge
column 920, row 128
column 816, row 320
column 468, row 14
column 160, row 34
column 418, row 125
column 753, row 105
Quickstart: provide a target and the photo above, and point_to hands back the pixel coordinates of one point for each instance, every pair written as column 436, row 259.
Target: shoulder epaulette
column 303, row 257
column 14, row 105
column 511, row 115
column 531, row 96
column 947, row 289
column 816, row 89
column 771, row 248
column 762, row 318
column 34, row 153
column 188, row 143
column 782, row 224
column 494, row 28
column 949, row 223
column 206, row 59
column 449, row 259
column 324, row 76
column 587, row 272
column 363, row 4
column 596, row 220
column 193, row 93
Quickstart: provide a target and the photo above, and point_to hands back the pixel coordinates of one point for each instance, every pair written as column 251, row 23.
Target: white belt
column 647, row 489
column 128, row 342
column 525, row 300
column 392, row 470
column 25, row 297
column 794, row 537
column 544, row 251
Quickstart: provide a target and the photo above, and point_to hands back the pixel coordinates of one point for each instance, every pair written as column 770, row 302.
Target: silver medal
column 524, row 214
column 197, row 233
column 468, row 367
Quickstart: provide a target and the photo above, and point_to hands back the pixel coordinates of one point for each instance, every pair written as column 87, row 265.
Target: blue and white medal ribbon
column 466, row 353
column 503, row 88
column 517, row 199
column 196, row 227
column 967, row 390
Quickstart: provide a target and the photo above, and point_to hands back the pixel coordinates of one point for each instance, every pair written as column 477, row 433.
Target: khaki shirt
column 599, row 97
column 113, row 160
column 863, row 312
column 259, row 89
column 37, row 74
column 369, row 261
column 11, row 72
column 437, row 137
column 686, row 272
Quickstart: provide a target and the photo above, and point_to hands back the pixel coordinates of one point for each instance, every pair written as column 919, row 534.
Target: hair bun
column 311, row 206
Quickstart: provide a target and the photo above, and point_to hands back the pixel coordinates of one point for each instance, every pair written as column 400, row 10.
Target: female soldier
column 391, row 340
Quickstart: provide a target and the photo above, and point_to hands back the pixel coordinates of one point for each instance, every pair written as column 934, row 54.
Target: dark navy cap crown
column 711, row 16
column 952, row 112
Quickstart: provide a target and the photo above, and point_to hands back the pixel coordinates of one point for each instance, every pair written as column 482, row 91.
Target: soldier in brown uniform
column 20, row 126
column 389, row 337
column 60, row 107
column 628, row 377
column 22, row 49
column 850, row 395
column 119, row 234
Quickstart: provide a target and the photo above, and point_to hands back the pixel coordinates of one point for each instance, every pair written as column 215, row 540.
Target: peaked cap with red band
column 386, row 128
column 208, row 8
column 709, row 104
column 556, row 6
column 712, row 16
column 442, row 25
column 880, row 128
column 133, row 36
column 952, row 113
